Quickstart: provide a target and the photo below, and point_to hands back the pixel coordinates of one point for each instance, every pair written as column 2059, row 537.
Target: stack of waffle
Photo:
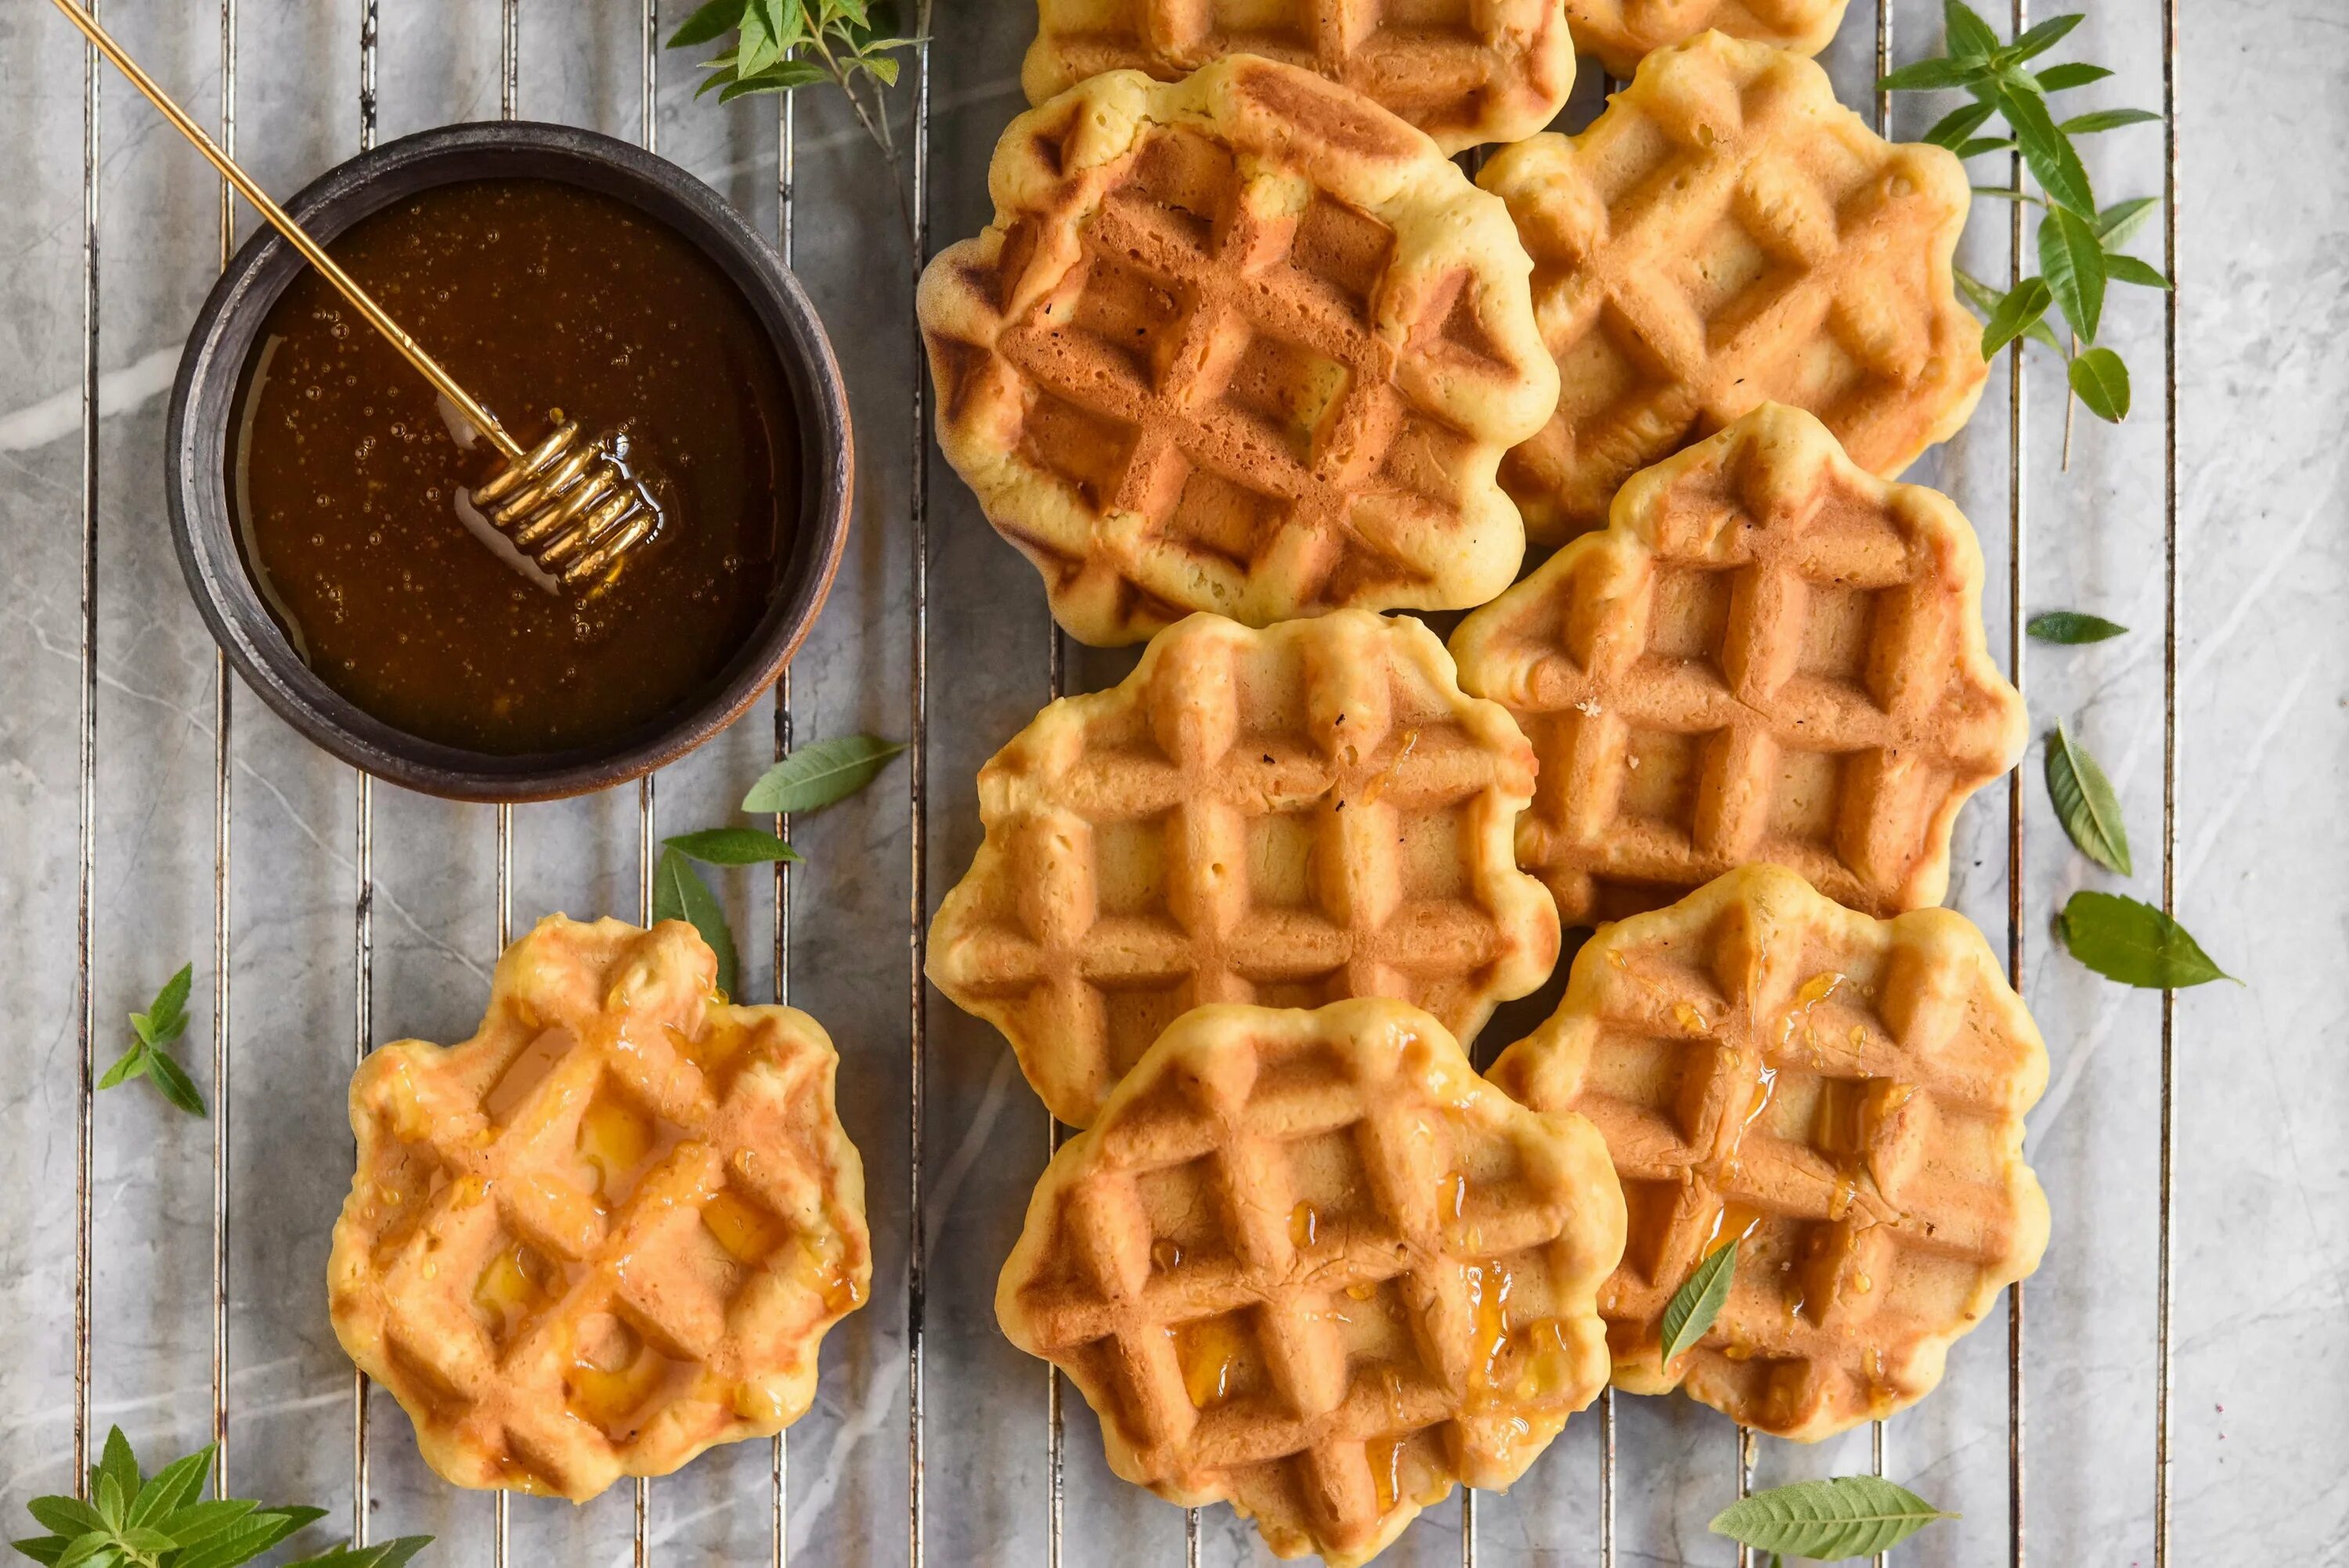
column 1242, row 361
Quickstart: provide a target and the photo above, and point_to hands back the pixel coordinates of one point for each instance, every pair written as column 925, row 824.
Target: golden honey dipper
column 568, row 503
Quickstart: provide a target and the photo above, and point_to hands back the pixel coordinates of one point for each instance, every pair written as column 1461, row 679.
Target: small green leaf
column 43, row 1548
column 2073, row 263
column 2119, row 222
column 732, row 847
column 172, row 1487
column 1970, row 37
column 2128, row 940
column 1983, row 144
column 67, row 1516
column 707, row 22
column 2106, row 119
column 1698, row 1301
column 2039, row 39
column 2085, row 803
column 95, row 1550
column 2007, row 193
column 166, row 1015
column 388, row 1554
column 2022, row 307
column 2101, row 380
column 813, row 776
column 679, row 893
column 129, row 1065
column 2065, row 78
column 2047, row 149
column 2072, row 626
column 778, row 79
column 1922, row 75
column 1850, row 1516
column 2130, row 270
column 172, row 1082
column 199, row 1521
column 1952, row 129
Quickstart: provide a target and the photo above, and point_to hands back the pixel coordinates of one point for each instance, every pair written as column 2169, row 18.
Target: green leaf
column 2130, row 270
column 707, row 22
column 2047, row 149
column 732, row 847
column 1970, row 37
column 760, row 47
column 1952, row 129
column 95, row 1550
column 1919, row 75
column 1698, row 1301
column 2070, row 75
column 1850, row 1516
column 129, row 1065
column 2022, row 307
column 43, row 1548
column 2119, row 222
column 2101, row 380
column 66, row 1516
column 2128, row 940
column 779, row 78
column 388, row 1554
column 172, row 1080
column 169, row 1010
column 1983, row 144
column 2004, row 193
column 172, row 1487
column 2072, row 626
column 2085, row 803
column 2073, row 263
column 2039, row 39
column 679, row 893
column 242, row 1541
column 201, row 1521
column 813, row 776
column 2106, row 119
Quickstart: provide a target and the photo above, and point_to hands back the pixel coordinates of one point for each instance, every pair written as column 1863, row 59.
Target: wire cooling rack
column 1586, row 1535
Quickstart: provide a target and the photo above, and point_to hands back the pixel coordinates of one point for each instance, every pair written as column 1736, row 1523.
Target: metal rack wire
column 362, row 928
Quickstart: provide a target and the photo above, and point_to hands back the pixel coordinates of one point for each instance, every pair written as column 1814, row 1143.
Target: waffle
column 1493, row 71
column 1843, row 1094
column 1287, row 817
column 606, row 1232
column 1310, row 1263
column 1623, row 32
column 1243, row 342
column 1725, row 235
column 1769, row 656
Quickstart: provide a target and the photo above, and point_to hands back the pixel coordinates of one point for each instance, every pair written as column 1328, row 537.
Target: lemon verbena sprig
column 2079, row 242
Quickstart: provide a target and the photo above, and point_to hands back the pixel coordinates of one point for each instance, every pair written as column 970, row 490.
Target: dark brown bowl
column 205, row 396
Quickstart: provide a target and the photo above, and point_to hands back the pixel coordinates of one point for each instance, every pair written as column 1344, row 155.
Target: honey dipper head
column 574, row 504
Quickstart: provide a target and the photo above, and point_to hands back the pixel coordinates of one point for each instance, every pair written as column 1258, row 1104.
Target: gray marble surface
column 2260, row 1326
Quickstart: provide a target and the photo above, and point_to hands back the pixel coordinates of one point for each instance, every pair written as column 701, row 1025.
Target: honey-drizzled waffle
column 1310, row 1263
column 1727, row 234
column 1494, row 71
column 1244, row 342
column 1768, row 656
column 606, row 1232
column 1841, row 1096
column 1622, row 33
column 1286, row 817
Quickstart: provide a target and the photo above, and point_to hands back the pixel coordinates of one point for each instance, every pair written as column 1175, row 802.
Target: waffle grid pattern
column 1726, row 234
column 606, row 1232
column 1467, row 71
column 1311, row 1264
column 1842, row 1097
column 1622, row 33
column 1769, row 657
column 1206, row 371
column 1287, row 817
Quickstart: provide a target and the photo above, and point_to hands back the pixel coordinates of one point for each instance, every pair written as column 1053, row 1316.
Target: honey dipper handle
column 315, row 253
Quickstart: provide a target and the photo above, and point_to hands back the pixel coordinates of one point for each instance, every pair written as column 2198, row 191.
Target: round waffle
column 1311, row 1264
column 1769, row 654
column 1497, row 71
column 1244, row 342
column 1622, row 33
column 1727, row 234
column 1841, row 1097
column 608, row 1231
column 1286, row 817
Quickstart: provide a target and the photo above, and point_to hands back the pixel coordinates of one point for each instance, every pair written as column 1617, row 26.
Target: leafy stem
column 2079, row 244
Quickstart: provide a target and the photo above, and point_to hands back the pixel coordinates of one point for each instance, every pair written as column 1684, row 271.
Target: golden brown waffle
column 1495, row 70
column 1725, row 235
column 1843, row 1098
column 1311, row 1264
column 1623, row 32
column 606, row 1232
column 1244, row 342
column 1769, row 654
column 1286, row 817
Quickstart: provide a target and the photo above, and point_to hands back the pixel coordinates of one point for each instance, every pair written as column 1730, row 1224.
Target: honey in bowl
column 348, row 475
